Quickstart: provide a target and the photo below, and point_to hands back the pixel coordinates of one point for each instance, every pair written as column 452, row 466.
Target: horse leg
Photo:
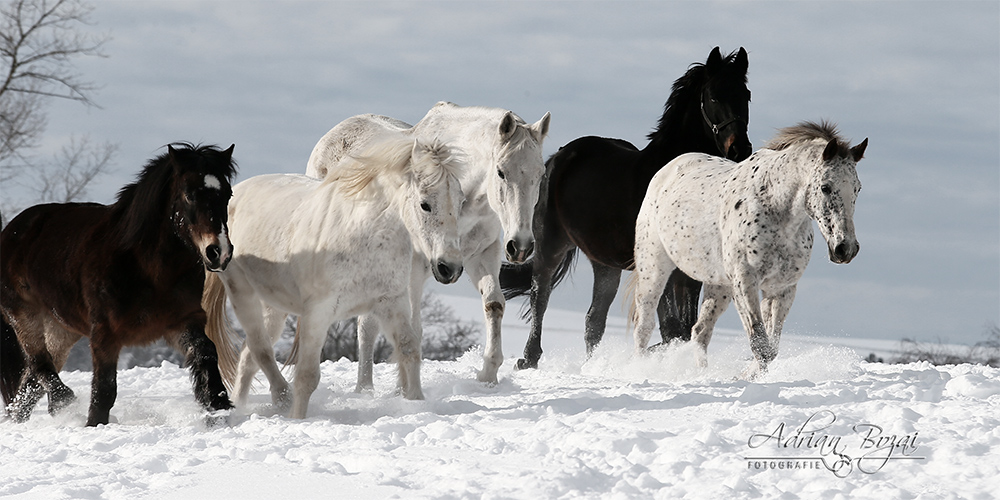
column 368, row 329
column 406, row 349
column 58, row 342
column 419, row 273
column 678, row 307
column 104, row 350
column 484, row 271
column 716, row 301
column 745, row 294
column 258, row 352
column 40, row 376
column 652, row 270
column 606, row 280
column 203, row 361
column 312, row 333
column 775, row 308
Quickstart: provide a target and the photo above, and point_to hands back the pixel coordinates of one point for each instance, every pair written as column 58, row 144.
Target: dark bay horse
column 594, row 187
column 122, row 274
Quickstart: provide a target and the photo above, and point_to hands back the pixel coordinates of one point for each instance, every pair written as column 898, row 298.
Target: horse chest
column 478, row 225
column 773, row 248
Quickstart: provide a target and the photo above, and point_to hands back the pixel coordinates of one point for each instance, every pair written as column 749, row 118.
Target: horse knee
column 494, row 308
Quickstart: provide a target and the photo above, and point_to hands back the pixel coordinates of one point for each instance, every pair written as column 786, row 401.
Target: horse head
column 201, row 200
column 830, row 197
column 724, row 102
column 432, row 207
column 513, row 187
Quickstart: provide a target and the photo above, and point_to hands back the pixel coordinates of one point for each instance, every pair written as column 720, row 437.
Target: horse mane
column 808, row 131
column 355, row 174
column 149, row 196
column 680, row 93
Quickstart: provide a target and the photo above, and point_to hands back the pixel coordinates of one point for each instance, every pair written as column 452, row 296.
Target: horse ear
column 508, row 125
column 229, row 152
column 540, row 129
column 714, row 58
column 831, row 151
column 742, row 63
column 859, row 151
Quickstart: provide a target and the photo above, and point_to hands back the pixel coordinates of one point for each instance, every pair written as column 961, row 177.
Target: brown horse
column 595, row 186
column 122, row 274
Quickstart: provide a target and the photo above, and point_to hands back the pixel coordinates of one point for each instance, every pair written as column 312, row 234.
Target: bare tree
column 38, row 41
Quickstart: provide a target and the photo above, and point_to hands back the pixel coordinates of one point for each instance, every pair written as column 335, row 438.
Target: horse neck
column 679, row 132
column 145, row 220
column 782, row 181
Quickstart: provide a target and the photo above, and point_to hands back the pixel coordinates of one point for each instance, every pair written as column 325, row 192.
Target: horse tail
column 515, row 279
column 219, row 329
column 12, row 362
column 629, row 300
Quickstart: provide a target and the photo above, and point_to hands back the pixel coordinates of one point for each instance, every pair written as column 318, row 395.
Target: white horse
column 500, row 182
column 331, row 249
column 745, row 227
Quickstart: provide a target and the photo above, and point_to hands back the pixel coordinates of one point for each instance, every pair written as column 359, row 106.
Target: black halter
column 717, row 127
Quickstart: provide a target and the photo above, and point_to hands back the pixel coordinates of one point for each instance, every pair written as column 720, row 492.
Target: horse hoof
column 487, row 378
column 217, row 419
column 525, row 364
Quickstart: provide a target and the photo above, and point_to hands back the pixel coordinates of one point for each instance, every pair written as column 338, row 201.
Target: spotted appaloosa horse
column 122, row 274
column 745, row 231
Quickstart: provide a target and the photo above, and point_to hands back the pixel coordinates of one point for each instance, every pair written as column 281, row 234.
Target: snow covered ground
column 820, row 424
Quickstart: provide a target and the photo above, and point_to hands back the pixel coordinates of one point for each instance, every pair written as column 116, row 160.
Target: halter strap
column 716, row 127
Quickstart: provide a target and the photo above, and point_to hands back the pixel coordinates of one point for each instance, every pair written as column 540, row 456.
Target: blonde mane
column 806, row 132
column 397, row 156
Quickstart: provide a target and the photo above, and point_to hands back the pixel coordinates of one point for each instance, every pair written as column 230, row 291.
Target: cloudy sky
column 921, row 80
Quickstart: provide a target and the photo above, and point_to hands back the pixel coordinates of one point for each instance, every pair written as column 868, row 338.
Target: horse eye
column 826, row 189
column 500, row 173
column 426, row 207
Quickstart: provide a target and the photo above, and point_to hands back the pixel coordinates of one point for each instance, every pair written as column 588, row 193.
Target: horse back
column 350, row 136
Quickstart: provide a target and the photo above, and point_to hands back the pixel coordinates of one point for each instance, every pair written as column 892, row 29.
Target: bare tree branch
column 39, row 40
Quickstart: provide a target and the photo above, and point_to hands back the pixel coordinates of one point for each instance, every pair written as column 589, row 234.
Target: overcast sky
column 920, row 80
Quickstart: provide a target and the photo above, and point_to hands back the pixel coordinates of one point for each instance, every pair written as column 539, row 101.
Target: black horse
column 122, row 274
column 594, row 187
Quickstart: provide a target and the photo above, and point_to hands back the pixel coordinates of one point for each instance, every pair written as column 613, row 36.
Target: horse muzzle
column 519, row 251
column 844, row 252
column 446, row 272
column 216, row 259
column 736, row 148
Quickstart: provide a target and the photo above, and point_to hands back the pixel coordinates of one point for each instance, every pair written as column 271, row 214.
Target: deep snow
column 615, row 426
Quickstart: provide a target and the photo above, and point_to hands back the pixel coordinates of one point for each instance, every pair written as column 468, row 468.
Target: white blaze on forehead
column 212, row 181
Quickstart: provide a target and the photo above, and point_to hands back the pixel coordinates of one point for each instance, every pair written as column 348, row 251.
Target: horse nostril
column 842, row 252
column 447, row 273
column 511, row 249
column 213, row 252
column 529, row 249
